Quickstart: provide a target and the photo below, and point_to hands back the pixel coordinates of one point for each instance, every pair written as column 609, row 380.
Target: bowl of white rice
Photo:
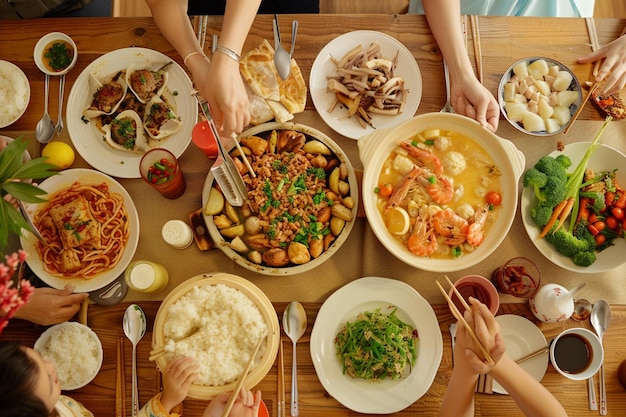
column 75, row 350
column 14, row 93
column 217, row 320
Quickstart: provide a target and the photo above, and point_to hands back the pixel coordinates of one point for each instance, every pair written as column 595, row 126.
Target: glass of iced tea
column 160, row 168
column 519, row 277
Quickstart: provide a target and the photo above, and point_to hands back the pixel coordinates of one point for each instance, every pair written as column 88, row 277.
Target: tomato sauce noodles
column 86, row 228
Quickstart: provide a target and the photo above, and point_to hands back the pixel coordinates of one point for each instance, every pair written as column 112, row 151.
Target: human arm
column 178, row 376
column 48, row 306
column 613, row 69
column 468, row 96
column 246, row 405
column 219, row 82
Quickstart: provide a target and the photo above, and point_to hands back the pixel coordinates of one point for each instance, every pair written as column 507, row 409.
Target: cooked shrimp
column 440, row 189
column 402, row 188
column 423, row 240
column 476, row 230
column 424, row 158
column 451, row 226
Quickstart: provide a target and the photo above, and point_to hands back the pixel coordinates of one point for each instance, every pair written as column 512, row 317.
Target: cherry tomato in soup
column 494, row 198
column 385, row 189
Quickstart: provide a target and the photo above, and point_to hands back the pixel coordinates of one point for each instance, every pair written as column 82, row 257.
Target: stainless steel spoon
column 294, row 31
column 600, row 320
column 59, row 126
column 447, row 108
column 282, row 59
column 45, row 127
column 294, row 323
column 134, row 324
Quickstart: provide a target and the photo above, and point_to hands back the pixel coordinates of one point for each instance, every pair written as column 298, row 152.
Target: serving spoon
column 59, row 126
column 134, row 324
column 282, row 58
column 45, row 127
column 294, row 323
column 600, row 320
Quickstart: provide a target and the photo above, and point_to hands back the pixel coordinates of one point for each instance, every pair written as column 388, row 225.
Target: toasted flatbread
column 260, row 111
column 281, row 114
column 258, row 70
column 293, row 90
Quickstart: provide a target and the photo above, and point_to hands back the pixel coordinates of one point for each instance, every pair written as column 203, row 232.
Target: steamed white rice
column 217, row 325
column 75, row 353
column 14, row 93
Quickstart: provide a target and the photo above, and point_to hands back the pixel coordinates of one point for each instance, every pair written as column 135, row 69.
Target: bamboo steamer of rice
column 258, row 372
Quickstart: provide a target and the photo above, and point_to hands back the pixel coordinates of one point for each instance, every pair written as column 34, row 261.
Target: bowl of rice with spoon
column 217, row 319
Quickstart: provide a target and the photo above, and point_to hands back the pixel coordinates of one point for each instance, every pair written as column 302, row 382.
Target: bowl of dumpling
column 539, row 96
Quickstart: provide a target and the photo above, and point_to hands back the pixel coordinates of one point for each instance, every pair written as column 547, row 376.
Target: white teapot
column 553, row 303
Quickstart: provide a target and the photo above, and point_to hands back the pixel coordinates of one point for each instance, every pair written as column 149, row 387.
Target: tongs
column 224, row 169
column 33, row 228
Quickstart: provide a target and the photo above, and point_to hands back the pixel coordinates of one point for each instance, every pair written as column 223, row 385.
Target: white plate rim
column 323, row 66
column 512, row 325
column 604, row 262
column 22, row 75
column 93, row 149
column 386, row 396
column 29, row 241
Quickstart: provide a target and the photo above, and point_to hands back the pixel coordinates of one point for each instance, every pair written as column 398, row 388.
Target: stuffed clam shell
column 146, row 83
column 125, row 132
column 106, row 96
column 160, row 119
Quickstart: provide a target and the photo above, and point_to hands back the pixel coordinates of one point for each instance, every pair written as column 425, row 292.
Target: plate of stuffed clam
column 126, row 102
column 300, row 207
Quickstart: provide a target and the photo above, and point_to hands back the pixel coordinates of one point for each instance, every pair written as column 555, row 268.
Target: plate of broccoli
column 574, row 208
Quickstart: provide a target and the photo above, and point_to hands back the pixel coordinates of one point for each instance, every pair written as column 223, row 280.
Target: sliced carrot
column 555, row 215
column 583, row 211
column 609, row 198
column 567, row 209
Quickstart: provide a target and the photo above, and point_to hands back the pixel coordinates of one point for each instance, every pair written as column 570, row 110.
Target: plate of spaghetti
column 91, row 229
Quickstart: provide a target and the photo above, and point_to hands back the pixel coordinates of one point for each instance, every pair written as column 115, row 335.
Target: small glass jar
column 177, row 234
column 146, row 276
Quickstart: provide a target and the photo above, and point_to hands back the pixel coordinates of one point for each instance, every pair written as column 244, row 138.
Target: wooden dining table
column 503, row 40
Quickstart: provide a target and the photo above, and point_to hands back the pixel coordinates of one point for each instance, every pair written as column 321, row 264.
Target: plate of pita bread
column 271, row 97
column 365, row 80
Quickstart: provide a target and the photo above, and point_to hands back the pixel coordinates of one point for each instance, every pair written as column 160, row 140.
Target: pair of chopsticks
column 478, row 55
column 156, row 353
column 280, row 401
column 593, row 37
column 592, row 90
column 457, row 314
column 120, row 381
column 235, row 393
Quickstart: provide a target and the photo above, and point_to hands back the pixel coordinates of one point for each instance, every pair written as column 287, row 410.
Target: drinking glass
column 160, row 168
column 519, row 277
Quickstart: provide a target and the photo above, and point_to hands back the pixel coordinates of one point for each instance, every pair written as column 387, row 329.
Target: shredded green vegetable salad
column 376, row 346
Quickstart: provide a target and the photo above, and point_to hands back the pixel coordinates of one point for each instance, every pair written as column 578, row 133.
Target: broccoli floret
column 566, row 243
column 564, row 160
column 549, row 166
column 536, row 179
column 554, row 191
column 541, row 214
column 581, row 231
column 597, row 198
column 584, row 258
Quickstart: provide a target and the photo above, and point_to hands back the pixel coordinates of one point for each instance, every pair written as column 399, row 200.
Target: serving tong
column 224, row 169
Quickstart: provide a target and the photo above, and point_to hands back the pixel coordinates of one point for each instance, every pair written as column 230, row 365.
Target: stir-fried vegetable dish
column 376, row 346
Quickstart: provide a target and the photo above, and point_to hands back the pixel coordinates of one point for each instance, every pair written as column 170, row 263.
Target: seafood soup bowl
column 376, row 147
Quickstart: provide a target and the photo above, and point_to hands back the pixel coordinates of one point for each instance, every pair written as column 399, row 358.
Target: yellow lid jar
column 146, row 276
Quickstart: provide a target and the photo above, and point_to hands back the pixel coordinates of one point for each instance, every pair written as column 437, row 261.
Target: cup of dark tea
column 576, row 353
column 478, row 287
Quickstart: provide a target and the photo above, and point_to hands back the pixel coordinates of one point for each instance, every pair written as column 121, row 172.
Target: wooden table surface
column 503, row 40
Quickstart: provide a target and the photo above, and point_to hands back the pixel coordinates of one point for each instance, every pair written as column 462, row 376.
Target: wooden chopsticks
column 478, row 55
column 120, row 381
column 280, row 401
column 592, row 90
column 593, row 37
column 156, row 353
column 459, row 317
column 235, row 393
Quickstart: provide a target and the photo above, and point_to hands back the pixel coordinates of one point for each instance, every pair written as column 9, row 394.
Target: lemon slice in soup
column 398, row 221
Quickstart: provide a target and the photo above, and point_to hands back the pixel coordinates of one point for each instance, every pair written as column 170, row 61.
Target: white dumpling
column 454, row 163
column 106, row 96
column 126, row 133
column 160, row 119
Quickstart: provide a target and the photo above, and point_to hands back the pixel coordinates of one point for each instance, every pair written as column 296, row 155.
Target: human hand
column 178, row 376
column 246, row 405
column 613, row 69
column 472, row 99
column 224, row 90
column 48, row 306
column 487, row 330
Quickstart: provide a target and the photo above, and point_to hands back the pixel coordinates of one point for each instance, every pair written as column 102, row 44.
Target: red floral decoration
column 12, row 298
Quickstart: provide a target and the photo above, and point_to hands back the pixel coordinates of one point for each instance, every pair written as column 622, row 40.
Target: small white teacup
column 576, row 353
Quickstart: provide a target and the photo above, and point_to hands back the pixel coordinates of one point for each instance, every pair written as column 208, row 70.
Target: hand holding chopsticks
column 457, row 314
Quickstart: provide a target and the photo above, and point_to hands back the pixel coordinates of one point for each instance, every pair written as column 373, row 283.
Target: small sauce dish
column 55, row 53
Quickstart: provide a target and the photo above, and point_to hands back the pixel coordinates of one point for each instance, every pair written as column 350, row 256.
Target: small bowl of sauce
column 576, row 353
column 478, row 287
column 55, row 53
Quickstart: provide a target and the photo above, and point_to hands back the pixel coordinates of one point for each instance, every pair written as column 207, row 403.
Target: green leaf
column 24, row 191
column 35, row 169
column 13, row 220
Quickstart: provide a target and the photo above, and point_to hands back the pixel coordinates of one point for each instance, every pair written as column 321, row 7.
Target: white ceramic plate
column 522, row 337
column 89, row 142
column 15, row 76
column 324, row 66
column 84, row 332
column 605, row 158
column 29, row 242
column 367, row 294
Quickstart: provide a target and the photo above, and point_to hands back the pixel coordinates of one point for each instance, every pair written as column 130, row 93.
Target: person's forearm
column 238, row 18
column 171, row 18
column 444, row 19
column 458, row 400
column 532, row 398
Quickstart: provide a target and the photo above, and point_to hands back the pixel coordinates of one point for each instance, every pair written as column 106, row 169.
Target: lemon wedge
column 398, row 221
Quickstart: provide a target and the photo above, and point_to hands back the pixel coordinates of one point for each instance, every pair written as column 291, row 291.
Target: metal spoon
column 600, row 320
column 134, row 324
column 282, row 59
column 59, row 126
column 447, row 108
column 45, row 127
column 294, row 323
column 294, row 31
